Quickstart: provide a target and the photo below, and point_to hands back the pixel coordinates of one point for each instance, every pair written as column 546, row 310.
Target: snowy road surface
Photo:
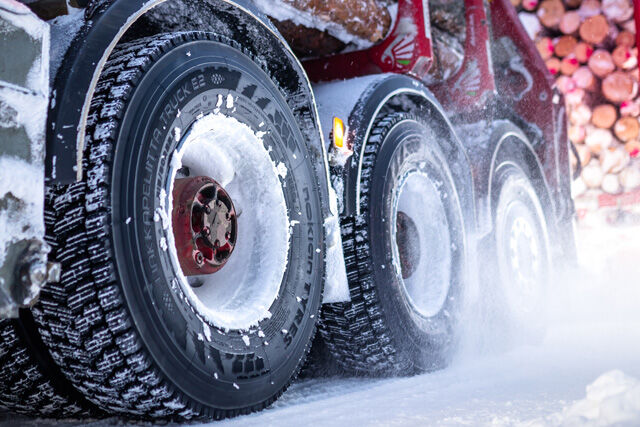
column 592, row 328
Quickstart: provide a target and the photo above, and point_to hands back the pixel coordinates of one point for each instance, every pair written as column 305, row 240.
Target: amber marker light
column 338, row 132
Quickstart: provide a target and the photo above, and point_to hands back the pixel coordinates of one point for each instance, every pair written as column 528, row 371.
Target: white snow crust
column 240, row 294
column 22, row 179
column 25, row 182
column 27, row 21
column 63, row 30
column 583, row 371
column 283, row 11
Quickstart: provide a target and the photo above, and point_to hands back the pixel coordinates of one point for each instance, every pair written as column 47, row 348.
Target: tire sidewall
column 425, row 340
column 222, row 372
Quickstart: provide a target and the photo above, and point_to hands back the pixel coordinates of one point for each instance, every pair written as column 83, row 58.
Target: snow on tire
column 140, row 333
column 404, row 256
column 30, row 381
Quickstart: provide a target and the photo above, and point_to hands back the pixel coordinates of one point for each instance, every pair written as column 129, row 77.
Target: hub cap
column 204, row 225
column 521, row 253
column 422, row 251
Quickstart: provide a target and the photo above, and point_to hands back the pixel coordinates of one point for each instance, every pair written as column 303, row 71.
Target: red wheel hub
column 205, row 225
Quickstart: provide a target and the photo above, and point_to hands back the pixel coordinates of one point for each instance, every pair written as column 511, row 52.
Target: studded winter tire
column 153, row 324
column 405, row 256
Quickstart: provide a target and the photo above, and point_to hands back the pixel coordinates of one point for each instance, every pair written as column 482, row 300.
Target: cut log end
column 594, row 29
column 604, row 116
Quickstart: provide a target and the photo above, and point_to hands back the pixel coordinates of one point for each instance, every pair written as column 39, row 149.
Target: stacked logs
column 589, row 46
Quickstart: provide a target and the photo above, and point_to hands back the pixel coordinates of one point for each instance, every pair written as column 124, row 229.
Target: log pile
column 589, row 46
column 323, row 27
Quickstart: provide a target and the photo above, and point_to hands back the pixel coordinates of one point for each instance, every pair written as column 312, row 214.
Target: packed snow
column 583, row 371
column 218, row 146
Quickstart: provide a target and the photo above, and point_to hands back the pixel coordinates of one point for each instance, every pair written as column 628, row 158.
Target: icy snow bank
column 612, row 399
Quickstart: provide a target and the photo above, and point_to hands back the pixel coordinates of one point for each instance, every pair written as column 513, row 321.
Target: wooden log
column 575, row 97
column 618, row 87
column 634, row 74
column 594, row 29
column 306, row 41
column 576, row 134
column 564, row 46
column 585, row 79
column 550, row 13
column 569, row 65
column 633, row 148
column 570, row 22
column 627, row 129
column 601, row 63
column 611, row 184
column 623, row 58
column 572, row 4
column 49, row 9
column 580, row 115
column 617, row 11
column 545, row 47
column 553, row 65
column 614, row 159
column 589, row 8
column 367, row 19
column 630, row 178
column 630, row 108
column 565, row 84
column 626, row 38
column 604, row 116
column 592, row 174
column 584, row 153
column 629, row 25
column 583, row 52
column 598, row 139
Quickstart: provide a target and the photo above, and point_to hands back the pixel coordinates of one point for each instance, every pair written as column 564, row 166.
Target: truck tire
column 521, row 250
column 132, row 329
column 404, row 304
column 30, row 383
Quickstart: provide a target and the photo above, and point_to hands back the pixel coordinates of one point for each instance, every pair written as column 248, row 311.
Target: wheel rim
column 422, row 249
column 236, row 291
column 522, row 247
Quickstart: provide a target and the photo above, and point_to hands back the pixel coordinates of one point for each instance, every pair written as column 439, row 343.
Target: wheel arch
column 108, row 22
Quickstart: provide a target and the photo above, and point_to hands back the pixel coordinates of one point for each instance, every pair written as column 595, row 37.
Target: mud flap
column 24, row 77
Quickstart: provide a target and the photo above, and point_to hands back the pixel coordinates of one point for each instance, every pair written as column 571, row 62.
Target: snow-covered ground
column 584, row 371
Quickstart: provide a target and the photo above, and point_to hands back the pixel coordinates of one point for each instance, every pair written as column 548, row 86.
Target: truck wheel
column 30, row 383
column 522, row 244
column 404, row 256
column 194, row 261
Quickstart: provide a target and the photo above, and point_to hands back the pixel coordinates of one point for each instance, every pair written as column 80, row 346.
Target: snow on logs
column 590, row 48
column 322, row 27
